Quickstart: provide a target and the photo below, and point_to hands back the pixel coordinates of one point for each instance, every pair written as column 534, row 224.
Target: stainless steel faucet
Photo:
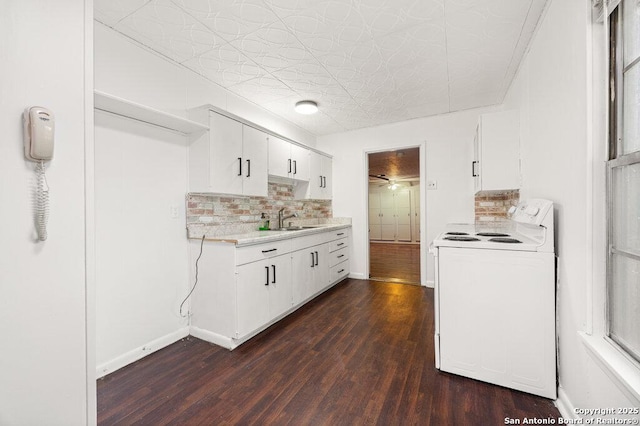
column 282, row 218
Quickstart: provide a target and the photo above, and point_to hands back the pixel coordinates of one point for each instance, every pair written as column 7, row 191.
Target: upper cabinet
column 496, row 161
column 320, row 180
column 288, row 160
column 230, row 159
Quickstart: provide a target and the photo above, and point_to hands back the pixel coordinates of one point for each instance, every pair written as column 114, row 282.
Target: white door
column 280, row 297
column 279, row 157
column 327, row 175
column 302, row 268
column 300, row 163
column 321, row 268
column 387, row 217
column 225, row 154
column 403, row 215
column 255, row 151
column 416, row 215
column 253, row 296
column 374, row 216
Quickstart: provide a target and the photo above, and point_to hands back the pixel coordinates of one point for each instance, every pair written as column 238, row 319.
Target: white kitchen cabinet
column 320, row 182
column 263, row 292
column 230, row 159
column 496, row 162
column 310, row 271
column 242, row 289
column 288, row 160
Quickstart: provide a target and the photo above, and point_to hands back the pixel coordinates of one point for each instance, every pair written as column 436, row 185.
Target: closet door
column 387, row 217
column 403, row 215
column 374, row 216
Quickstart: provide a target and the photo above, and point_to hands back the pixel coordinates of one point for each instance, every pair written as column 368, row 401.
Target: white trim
column 140, row 352
column 622, row 371
column 211, row 337
column 422, row 147
column 565, row 406
column 431, row 284
column 89, row 222
column 357, row 276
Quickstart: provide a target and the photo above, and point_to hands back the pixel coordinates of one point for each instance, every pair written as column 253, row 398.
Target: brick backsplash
column 493, row 206
column 222, row 210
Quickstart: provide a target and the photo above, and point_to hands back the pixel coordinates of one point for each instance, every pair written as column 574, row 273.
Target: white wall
column 552, row 92
column 449, row 150
column 141, row 173
column 141, row 249
column 43, row 360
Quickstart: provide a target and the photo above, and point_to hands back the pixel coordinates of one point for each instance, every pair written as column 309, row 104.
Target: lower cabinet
column 263, row 292
column 242, row 290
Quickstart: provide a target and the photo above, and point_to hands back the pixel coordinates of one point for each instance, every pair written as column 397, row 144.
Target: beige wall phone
column 39, row 126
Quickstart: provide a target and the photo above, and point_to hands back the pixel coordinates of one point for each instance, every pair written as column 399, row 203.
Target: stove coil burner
column 456, row 233
column 505, row 240
column 461, row 238
column 492, row 234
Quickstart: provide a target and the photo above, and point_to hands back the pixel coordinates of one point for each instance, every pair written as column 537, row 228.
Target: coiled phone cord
column 42, row 202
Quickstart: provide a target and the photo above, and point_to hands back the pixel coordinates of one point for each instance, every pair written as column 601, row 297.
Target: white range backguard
column 495, row 303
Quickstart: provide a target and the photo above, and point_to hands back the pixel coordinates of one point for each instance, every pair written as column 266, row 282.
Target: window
column 623, row 174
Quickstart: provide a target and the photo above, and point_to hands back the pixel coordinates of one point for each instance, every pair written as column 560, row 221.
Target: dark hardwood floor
column 394, row 262
column 362, row 353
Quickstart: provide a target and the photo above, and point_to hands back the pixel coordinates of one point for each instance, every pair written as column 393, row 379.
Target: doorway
column 394, row 215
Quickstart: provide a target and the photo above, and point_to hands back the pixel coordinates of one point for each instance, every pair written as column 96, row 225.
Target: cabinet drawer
column 339, row 233
column 338, row 256
column 262, row 251
column 300, row 243
column 339, row 271
column 338, row 244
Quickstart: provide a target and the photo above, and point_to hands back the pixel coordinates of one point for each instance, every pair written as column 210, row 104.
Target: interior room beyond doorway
column 394, row 215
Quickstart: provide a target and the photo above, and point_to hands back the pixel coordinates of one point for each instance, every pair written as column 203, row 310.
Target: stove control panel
column 531, row 211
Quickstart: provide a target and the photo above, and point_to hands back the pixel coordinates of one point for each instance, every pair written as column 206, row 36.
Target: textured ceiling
column 399, row 165
column 366, row 62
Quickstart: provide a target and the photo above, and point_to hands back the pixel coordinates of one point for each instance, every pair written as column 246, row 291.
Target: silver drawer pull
column 341, row 271
column 269, row 251
column 342, row 255
column 341, row 244
column 341, row 233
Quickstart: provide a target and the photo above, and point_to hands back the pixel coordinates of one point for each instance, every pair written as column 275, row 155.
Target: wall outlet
column 432, row 184
column 175, row 212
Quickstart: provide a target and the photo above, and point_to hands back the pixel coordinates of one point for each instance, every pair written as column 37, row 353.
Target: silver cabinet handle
column 267, row 268
column 240, row 166
column 317, row 258
column 274, row 274
column 313, row 260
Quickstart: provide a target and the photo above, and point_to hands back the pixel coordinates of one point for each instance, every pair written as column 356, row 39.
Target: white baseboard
column 140, row 352
column 357, row 276
column 564, row 405
column 211, row 337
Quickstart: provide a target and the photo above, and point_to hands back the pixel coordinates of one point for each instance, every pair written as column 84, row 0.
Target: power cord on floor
column 196, row 281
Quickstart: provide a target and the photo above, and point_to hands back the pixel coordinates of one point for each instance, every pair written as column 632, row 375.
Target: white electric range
column 495, row 300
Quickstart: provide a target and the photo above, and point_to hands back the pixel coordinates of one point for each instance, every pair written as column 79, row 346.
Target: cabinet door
column 327, row 173
column 316, row 180
column 475, row 165
column 279, row 157
column 302, row 268
column 225, row 154
column 300, row 163
column 255, row 152
column 280, row 297
column 252, row 292
column 321, row 270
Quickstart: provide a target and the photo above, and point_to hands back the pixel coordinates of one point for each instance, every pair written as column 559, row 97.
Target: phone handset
column 39, row 127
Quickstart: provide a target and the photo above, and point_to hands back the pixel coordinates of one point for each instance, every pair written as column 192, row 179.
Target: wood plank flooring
column 362, row 353
column 395, row 262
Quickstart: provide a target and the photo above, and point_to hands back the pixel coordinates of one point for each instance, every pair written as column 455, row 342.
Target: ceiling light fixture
column 306, row 107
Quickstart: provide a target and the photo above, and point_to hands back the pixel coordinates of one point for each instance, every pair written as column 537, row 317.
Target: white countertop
column 258, row 237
